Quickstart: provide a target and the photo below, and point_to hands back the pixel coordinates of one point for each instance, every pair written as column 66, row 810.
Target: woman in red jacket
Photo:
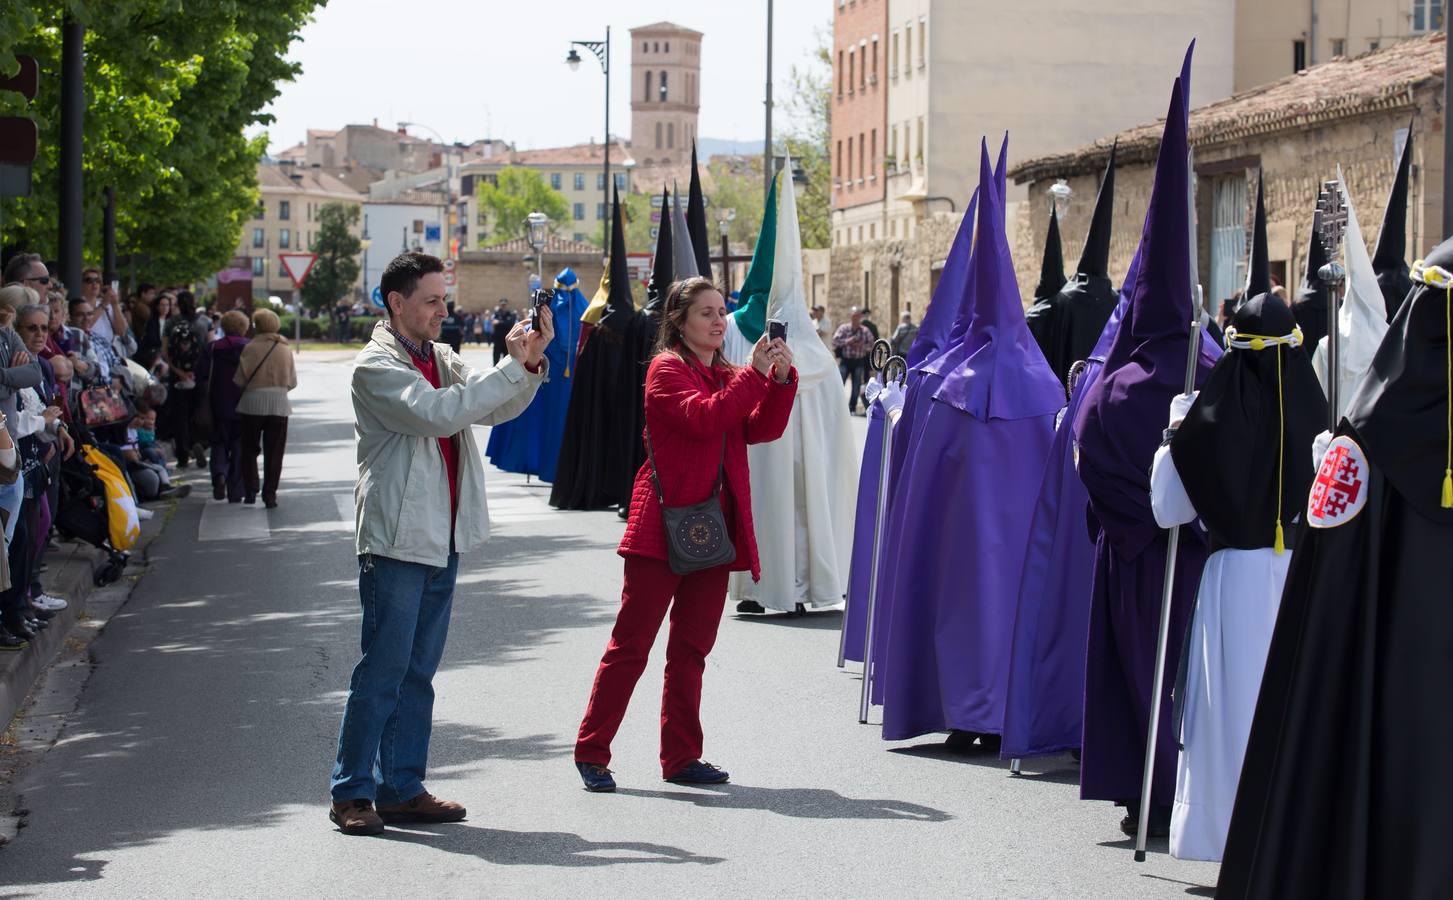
column 695, row 400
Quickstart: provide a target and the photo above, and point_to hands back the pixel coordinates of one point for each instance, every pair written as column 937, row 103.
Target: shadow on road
column 1047, row 769
column 540, row 848
column 797, row 803
column 818, row 620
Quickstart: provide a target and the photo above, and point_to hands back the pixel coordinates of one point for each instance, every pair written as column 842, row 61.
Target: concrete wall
column 1267, row 29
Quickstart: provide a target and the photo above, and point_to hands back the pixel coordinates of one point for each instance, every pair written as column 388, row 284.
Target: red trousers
column 695, row 615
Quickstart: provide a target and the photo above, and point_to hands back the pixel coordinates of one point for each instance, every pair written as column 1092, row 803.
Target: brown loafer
column 356, row 817
column 423, row 808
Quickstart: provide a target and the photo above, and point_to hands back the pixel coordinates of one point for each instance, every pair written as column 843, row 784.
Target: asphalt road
column 196, row 762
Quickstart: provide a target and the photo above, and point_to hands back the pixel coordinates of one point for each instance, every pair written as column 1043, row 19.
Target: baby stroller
column 98, row 507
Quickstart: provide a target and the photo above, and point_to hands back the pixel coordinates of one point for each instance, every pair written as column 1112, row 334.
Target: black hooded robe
column 1332, row 803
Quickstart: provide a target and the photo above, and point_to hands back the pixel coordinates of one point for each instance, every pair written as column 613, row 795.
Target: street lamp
column 538, row 224
column 798, row 174
column 1059, row 197
column 601, row 49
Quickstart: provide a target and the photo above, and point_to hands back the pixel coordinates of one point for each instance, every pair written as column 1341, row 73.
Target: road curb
column 70, row 573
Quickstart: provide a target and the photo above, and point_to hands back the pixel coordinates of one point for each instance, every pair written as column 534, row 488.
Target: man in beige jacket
column 419, row 503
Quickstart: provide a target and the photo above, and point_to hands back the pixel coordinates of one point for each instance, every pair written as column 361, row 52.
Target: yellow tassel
column 1448, row 488
column 1281, row 541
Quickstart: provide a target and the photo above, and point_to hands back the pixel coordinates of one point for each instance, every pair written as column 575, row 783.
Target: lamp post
column 601, row 49
column 538, row 224
column 798, row 174
column 724, row 224
column 1059, row 198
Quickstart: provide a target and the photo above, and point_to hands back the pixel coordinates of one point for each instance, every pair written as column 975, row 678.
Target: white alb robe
column 1230, row 633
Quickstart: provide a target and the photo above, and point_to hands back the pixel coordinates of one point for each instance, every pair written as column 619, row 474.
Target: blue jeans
column 383, row 744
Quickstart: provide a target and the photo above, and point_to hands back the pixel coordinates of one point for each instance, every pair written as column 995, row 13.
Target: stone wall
column 869, row 267
column 1293, row 164
column 484, row 277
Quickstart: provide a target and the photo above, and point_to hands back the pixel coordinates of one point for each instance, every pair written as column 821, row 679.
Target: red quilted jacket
column 688, row 412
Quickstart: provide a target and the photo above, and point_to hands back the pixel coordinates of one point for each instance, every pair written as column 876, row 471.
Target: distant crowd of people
column 103, row 400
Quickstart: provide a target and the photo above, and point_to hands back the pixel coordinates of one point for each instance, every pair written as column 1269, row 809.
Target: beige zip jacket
column 401, row 501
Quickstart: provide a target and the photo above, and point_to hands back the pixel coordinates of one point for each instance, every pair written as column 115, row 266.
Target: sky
column 471, row 69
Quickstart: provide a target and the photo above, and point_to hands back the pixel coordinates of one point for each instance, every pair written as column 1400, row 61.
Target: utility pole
column 73, row 106
column 767, row 161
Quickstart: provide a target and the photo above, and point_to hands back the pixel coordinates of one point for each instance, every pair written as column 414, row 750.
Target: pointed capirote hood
column 1361, row 318
column 1258, row 267
column 1052, row 264
column 1312, row 283
column 787, row 299
column 619, row 302
column 662, row 272
column 1390, row 259
column 996, row 181
column 1095, row 258
column 1005, row 375
column 683, row 254
column 696, row 219
column 751, row 312
column 943, row 307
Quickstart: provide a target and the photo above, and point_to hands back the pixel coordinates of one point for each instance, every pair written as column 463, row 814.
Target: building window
column 862, row 156
column 838, row 169
column 580, row 181
column 666, row 48
column 908, row 52
column 875, row 60
column 893, row 60
column 657, row 47
column 284, row 239
column 261, row 212
column 620, row 181
column 852, row 66
column 922, row 41
column 600, row 181
column 842, row 77
column 1299, row 55
column 259, row 237
column 555, row 180
column 1427, row 15
column 863, row 66
column 645, row 46
column 671, row 135
column 658, row 135
column 600, row 210
column 284, row 210
column 259, row 267
column 648, row 86
column 1339, row 47
column 580, row 212
column 872, row 231
column 867, row 285
column 893, row 144
column 873, row 152
column 920, row 137
column 579, row 236
column 663, row 87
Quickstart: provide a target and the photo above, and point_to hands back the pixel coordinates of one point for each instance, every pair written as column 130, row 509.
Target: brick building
column 665, row 93
column 859, row 117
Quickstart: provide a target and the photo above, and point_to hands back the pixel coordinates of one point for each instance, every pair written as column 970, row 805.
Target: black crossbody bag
column 696, row 536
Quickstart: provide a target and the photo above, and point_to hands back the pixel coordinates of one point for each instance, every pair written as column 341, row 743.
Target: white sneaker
column 49, row 603
column 142, row 513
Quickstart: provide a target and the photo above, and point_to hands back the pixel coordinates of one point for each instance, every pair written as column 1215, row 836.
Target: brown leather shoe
column 356, row 817
column 423, row 808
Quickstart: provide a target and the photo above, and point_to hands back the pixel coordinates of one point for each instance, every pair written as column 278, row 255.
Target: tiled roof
column 579, row 154
column 1342, row 87
column 308, row 180
column 663, row 26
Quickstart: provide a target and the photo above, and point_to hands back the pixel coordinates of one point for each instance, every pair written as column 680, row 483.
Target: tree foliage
column 519, row 192
column 336, row 269
column 170, row 88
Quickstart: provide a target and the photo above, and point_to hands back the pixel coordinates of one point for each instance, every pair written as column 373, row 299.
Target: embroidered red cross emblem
column 1338, row 492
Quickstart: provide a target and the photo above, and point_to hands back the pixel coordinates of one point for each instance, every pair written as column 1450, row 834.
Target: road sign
column 449, row 265
column 639, row 265
column 433, row 233
column 377, row 298
column 449, row 278
column 298, row 265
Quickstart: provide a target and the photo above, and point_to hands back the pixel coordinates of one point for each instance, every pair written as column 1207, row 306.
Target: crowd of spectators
column 152, row 384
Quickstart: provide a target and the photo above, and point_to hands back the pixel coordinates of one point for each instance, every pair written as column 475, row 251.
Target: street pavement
column 196, row 762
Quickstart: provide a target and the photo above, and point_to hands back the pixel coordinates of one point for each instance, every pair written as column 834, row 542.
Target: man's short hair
column 403, row 272
column 19, row 266
column 75, row 304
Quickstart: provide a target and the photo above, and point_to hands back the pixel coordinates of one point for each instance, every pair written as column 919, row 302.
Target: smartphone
column 542, row 298
column 776, row 329
column 116, row 288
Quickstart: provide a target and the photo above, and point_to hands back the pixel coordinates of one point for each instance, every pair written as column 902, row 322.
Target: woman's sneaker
column 698, row 772
column 597, row 778
column 49, row 603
